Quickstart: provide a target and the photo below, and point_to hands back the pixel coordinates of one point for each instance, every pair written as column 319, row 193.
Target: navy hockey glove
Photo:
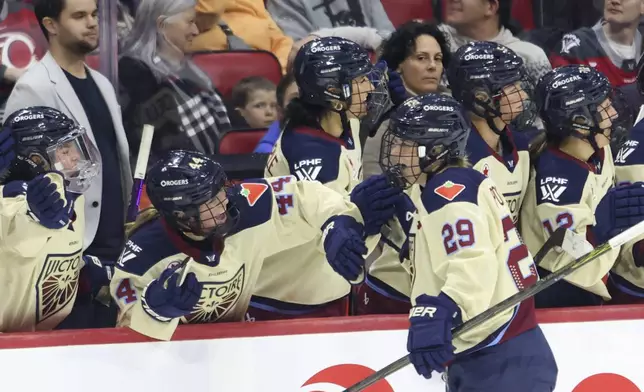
column 621, row 208
column 100, row 271
column 7, row 152
column 46, row 205
column 344, row 246
column 376, row 199
column 163, row 300
column 430, row 334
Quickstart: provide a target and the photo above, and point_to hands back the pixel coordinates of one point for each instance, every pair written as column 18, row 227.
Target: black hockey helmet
column 48, row 140
column 490, row 80
column 577, row 100
column 185, row 187
column 325, row 70
column 425, row 133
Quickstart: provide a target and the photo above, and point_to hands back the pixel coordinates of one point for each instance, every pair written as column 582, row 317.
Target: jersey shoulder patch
column 452, row 185
column 631, row 151
column 559, row 180
column 312, row 155
column 145, row 248
column 254, row 202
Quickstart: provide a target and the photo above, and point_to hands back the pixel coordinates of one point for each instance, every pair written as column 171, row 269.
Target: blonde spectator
column 239, row 24
column 164, row 87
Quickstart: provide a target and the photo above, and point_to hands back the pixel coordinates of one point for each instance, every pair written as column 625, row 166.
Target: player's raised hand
column 621, row 208
column 7, row 152
column 163, row 299
column 344, row 246
column 46, row 202
column 376, row 199
column 429, row 341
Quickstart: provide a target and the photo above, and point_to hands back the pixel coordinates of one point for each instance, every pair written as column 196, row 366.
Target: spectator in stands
column 612, row 46
column 254, row 98
column 239, row 24
column 298, row 18
column 286, row 91
column 164, row 87
column 489, row 20
column 61, row 80
column 418, row 53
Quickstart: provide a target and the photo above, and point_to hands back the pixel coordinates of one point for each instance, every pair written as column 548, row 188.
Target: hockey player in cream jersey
column 338, row 88
column 491, row 83
column 466, row 256
column 626, row 279
column 573, row 179
column 41, row 218
column 199, row 261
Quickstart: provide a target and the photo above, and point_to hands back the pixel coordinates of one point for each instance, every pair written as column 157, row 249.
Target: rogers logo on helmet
column 175, row 182
column 316, row 49
column 479, row 57
column 29, row 117
column 438, row 108
column 563, row 82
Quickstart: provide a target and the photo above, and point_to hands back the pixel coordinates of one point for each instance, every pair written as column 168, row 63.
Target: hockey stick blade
column 139, row 172
column 512, row 301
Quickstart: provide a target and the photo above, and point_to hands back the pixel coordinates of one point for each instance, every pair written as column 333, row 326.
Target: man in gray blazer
column 61, row 80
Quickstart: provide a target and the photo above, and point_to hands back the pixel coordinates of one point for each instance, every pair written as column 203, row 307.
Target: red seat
column 93, row 61
column 401, row 11
column 240, row 141
column 523, row 13
column 226, row 68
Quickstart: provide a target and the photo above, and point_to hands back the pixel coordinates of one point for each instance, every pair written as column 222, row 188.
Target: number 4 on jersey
column 125, row 292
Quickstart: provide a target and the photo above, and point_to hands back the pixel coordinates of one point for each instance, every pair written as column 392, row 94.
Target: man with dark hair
column 63, row 81
column 489, row 20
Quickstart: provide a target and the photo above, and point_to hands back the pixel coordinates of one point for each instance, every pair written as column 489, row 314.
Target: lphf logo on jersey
column 218, row 298
column 627, row 149
column 130, row 252
column 552, row 188
column 308, row 169
column 486, row 170
column 57, row 284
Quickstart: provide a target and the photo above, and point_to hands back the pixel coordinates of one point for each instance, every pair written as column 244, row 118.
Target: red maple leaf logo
column 449, row 190
column 252, row 191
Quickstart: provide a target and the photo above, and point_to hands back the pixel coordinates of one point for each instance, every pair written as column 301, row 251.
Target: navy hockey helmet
column 338, row 74
column 425, row 133
column 491, row 81
column 48, row 140
column 190, row 192
column 577, row 100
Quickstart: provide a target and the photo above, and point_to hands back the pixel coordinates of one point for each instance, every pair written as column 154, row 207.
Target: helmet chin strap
column 489, row 115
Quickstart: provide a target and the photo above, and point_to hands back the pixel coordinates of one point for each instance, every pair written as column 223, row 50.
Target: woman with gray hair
column 164, row 87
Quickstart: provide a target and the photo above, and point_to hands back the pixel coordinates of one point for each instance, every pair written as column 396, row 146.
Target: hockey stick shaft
column 512, row 301
column 139, row 172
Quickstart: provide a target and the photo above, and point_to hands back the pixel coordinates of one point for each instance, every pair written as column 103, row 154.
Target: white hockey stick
column 139, row 172
column 573, row 244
